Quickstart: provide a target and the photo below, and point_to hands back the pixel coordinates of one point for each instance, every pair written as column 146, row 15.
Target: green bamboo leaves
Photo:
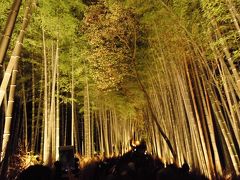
column 109, row 32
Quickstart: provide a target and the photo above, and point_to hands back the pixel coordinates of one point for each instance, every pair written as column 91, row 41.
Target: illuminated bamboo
column 25, row 119
column 227, row 53
column 105, row 131
column 231, row 9
column 87, row 125
column 45, row 101
column 33, row 143
column 58, row 135
column 209, row 120
column 234, row 13
column 7, row 32
column 52, row 115
column 232, row 105
column 17, row 49
column 224, row 129
column 13, row 64
column 204, row 142
column 8, row 117
column 73, row 106
column 39, row 124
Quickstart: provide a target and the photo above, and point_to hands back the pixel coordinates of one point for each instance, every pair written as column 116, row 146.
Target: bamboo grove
column 96, row 74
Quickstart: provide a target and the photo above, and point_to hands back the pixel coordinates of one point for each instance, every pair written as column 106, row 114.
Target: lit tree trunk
column 101, row 140
column 73, row 129
column 17, row 49
column 150, row 106
column 76, row 135
column 53, row 108
column 231, row 9
column 235, row 15
column 8, row 118
column 45, row 131
column 7, row 32
column 105, row 131
column 39, row 124
column 65, row 125
column 12, row 66
column 5, row 97
column 200, row 126
column 50, row 143
column 224, row 129
column 228, row 81
column 212, row 134
column 57, row 116
column 207, row 118
column 110, row 136
column 25, row 119
column 227, row 53
column 33, row 140
column 87, row 126
column 116, row 132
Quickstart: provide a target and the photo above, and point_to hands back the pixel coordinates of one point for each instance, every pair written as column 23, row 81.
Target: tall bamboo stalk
column 8, row 117
column 73, row 105
column 25, row 119
column 45, row 101
column 13, row 65
column 53, row 104
column 58, row 135
column 87, row 125
column 7, row 32
column 33, row 140
column 17, row 49
column 227, row 53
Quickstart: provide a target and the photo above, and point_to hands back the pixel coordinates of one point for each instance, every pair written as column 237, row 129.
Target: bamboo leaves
column 109, row 31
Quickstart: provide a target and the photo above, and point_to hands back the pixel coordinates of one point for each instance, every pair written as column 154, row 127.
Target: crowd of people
column 134, row 165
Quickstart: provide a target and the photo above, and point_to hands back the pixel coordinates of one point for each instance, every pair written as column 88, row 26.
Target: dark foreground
column 134, row 165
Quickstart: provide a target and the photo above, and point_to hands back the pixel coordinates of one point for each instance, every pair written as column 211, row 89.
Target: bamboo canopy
column 99, row 75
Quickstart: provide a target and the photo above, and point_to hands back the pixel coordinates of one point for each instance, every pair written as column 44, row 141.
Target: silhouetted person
column 76, row 170
column 57, row 170
column 36, row 172
column 142, row 147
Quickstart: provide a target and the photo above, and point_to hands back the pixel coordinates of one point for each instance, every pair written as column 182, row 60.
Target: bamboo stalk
column 7, row 32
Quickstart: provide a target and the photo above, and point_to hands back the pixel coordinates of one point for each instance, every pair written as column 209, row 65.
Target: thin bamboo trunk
column 8, row 117
column 45, row 101
column 58, row 135
column 53, row 105
column 106, row 130
column 92, row 132
column 39, row 124
column 87, row 125
column 41, row 131
column 33, row 140
column 101, row 132
column 5, row 97
column 25, row 119
column 73, row 106
column 65, row 125
column 76, row 136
